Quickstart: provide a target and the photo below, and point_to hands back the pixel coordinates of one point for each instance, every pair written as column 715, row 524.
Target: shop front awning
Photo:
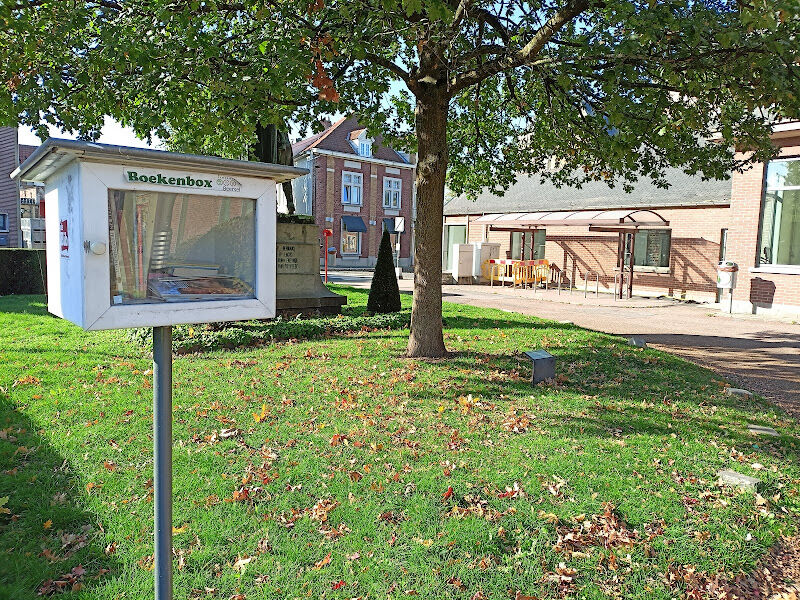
column 388, row 225
column 595, row 220
column 354, row 224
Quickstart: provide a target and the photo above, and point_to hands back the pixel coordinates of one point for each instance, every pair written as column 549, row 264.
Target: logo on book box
column 229, row 184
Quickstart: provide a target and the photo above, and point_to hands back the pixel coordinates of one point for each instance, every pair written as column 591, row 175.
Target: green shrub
column 22, row 271
column 384, row 293
column 216, row 336
column 298, row 219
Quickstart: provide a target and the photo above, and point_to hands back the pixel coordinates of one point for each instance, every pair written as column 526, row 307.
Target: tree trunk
column 427, row 339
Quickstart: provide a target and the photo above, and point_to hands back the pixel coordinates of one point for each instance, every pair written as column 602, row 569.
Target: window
column 365, row 149
column 392, row 189
column 351, row 242
column 533, row 247
column 3, row 221
column 651, row 248
column 780, row 215
column 351, row 188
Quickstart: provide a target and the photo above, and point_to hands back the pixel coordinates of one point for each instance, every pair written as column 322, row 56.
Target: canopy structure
column 595, row 220
column 625, row 223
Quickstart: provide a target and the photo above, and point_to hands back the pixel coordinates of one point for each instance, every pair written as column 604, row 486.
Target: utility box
column 146, row 238
column 484, row 252
column 462, row 262
column 726, row 275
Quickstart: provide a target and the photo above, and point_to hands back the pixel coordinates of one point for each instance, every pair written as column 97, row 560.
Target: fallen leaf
column 241, row 563
column 325, row 561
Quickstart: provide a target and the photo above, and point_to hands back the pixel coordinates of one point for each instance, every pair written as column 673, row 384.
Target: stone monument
column 299, row 287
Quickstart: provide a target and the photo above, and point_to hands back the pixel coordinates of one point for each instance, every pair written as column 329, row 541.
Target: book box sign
column 182, row 179
column 141, row 238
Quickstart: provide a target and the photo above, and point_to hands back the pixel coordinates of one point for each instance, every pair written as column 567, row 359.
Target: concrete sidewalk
column 751, row 352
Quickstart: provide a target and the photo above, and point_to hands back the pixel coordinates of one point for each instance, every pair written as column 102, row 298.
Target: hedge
column 22, row 271
column 219, row 336
column 296, row 219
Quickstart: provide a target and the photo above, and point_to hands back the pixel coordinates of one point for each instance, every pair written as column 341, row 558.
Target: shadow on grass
column 503, row 321
column 28, row 305
column 620, row 379
column 47, row 533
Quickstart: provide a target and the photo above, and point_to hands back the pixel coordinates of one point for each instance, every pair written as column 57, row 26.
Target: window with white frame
column 780, row 215
column 392, row 188
column 365, row 148
column 352, row 185
column 351, row 241
column 3, row 221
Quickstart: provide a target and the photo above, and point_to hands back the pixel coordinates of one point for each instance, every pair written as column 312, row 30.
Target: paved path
column 751, row 352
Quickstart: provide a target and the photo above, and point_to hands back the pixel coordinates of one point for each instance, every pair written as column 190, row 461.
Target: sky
column 112, row 133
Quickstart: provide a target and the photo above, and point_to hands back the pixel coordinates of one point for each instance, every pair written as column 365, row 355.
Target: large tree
column 613, row 90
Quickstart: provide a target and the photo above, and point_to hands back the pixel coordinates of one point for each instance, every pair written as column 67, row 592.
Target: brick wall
column 327, row 174
column 694, row 252
column 758, row 290
column 9, row 191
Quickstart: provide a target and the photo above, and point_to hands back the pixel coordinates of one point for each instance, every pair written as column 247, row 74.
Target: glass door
column 453, row 234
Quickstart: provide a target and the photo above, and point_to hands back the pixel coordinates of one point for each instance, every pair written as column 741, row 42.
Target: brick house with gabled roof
column 356, row 187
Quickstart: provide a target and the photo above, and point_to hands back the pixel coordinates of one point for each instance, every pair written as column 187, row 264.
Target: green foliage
column 217, row 336
column 22, row 271
column 201, row 338
column 374, row 441
column 296, row 219
column 384, row 293
column 616, row 90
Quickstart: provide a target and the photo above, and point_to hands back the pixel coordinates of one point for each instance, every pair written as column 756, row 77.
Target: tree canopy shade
column 606, row 90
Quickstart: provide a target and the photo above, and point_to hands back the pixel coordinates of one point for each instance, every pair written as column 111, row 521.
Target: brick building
column 9, row 190
column 356, row 187
column 678, row 259
column 752, row 219
column 21, row 206
column 764, row 233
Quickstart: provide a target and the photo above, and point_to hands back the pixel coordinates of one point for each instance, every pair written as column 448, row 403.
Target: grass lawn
column 336, row 468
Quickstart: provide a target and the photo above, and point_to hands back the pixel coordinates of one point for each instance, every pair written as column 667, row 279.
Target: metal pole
column 630, row 281
column 162, row 460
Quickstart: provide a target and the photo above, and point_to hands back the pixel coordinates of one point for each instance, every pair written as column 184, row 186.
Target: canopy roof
column 596, row 220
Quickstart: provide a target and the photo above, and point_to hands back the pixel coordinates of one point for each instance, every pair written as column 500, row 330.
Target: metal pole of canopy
column 620, row 264
column 633, row 248
column 162, row 461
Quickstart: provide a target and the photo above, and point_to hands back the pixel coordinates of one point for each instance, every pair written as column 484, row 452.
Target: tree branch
column 525, row 54
column 384, row 62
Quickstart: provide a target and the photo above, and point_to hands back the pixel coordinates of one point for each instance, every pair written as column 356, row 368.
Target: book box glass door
column 167, row 247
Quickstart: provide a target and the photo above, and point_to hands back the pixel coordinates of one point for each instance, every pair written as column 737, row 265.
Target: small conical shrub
column 384, row 293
